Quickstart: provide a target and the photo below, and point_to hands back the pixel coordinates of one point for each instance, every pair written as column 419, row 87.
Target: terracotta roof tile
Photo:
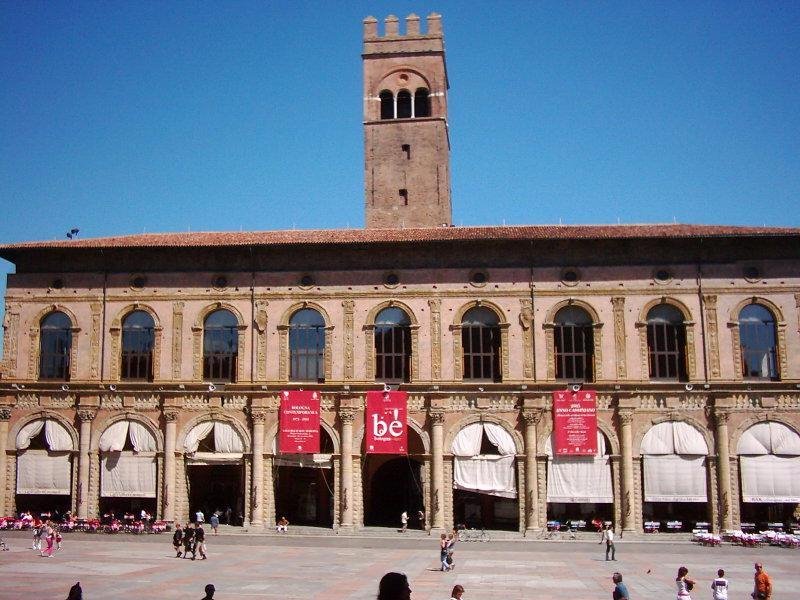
column 437, row 234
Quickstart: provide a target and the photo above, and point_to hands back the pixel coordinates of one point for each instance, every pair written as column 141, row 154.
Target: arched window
column 137, row 346
column 758, row 342
column 55, row 344
column 666, row 343
column 387, row 105
column 307, row 346
column 220, row 346
column 404, row 104
column 392, row 345
column 422, row 104
column 574, row 344
column 480, row 338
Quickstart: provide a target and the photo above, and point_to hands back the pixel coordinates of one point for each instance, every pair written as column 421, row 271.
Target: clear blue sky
column 124, row 117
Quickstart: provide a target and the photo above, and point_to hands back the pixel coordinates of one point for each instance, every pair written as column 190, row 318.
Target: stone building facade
column 71, row 360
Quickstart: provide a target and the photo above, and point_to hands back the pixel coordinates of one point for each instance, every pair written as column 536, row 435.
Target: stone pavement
column 341, row 567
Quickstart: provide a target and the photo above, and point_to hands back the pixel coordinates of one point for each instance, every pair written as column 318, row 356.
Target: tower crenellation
column 391, row 27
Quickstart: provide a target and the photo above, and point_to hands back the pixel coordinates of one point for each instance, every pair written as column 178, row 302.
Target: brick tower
column 406, row 143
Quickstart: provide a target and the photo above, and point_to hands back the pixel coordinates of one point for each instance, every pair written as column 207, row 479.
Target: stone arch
column 358, row 438
column 751, row 420
column 215, row 416
column 688, row 323
column 780, row 334
column 283, row 342
column 197, row 338
column 35, row 335
column 458, row 350
column 272, row 434
column 597, row 340
column 394, row 87
column 99, row 429
column 115, row 332
column 469, row 420
column 42, row 415
column 701, row 428
column 605, row 428
column 369, row 337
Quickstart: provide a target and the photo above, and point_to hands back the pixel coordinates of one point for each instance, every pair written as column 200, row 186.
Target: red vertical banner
column 386, row 428
column 299, row 422
column 575, row 423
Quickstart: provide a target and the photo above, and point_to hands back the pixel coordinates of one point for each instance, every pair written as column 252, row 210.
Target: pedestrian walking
column 620, row 589
column 683, row 584
column 177, row 540
column 210, row 589
column 457, row 592
column 607, row 536
column 215, row 522
column 421, row 519
column 762, row 587
column 188, row 539
column 394, row 586
column 451, row 550
column 49, row 538
column 37, row 537
column 199, row 542
column 443, row 552
column 59, row 539
column 403, row 522
column 199, row 517
column 719, row 587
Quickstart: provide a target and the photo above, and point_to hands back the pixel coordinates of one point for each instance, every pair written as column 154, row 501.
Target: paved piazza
column 332, row 567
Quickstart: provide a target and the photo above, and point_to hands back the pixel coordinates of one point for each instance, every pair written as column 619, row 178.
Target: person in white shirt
column 199, row 516
column 608, row 538
column 719, row 587
column 404, row 521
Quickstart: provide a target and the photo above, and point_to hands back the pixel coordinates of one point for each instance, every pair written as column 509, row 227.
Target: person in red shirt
column 762, row 588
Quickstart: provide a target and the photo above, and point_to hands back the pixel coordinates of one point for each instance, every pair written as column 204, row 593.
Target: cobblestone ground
column 338, row 567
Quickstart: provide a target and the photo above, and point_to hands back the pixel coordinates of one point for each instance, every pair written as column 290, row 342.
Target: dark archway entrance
column 477, row 510
column 304, row 485
column 217, row 487
column 394, row 486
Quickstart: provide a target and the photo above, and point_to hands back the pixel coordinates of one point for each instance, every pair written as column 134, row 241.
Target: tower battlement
column 412, row 41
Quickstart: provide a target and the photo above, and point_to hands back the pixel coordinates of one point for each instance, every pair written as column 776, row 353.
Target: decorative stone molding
column 235, row 402
column 526, row 322
column 111, row 401
column 197, row 339
column 258, row 415
column 721, row 417
column 86, row 415
column 618, row 303
column 170, row 415
column 177, row 339
column 94, row 340
column 435, row 305
column 369, row 338
column 5, row 413
column 532, row 416
column 283, row 340
column 788, row 401
column 710, row 305
column 744, row 401
column 27, row 401
column 736, row 349
column 549, row 327
column 349, row 360
column 145, row 401
column 347, row 416
column 653, row 402
column 780, row 331
column 260, row 321
column 688, row 325
column 625, row 417
column 416, row 402
column 10, row 334
column 60, row 401
column 458, row 350
column 115, row 334
column 195, row 401
column 604, row 401
column 436, row 417
column 35, row 346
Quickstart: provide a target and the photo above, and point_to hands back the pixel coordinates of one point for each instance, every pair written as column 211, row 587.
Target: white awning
column 769, row 437
column 226, row 439
column 489, row 473
column 674, row 437
column 674, row 478
column 128, row 475
column 56, row 435
column 579, row 479
column 770, row 478
column 42, row 472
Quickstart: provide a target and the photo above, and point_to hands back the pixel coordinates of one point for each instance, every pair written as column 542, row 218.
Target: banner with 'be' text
column 386, row 429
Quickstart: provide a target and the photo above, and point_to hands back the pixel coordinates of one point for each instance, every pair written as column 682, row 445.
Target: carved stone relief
column 710, row 303
column 177, row 337
column 618, row 302
column 94, row 341
column 550, row 349
column 736, row 349
column 526, row 322
column 436, row 338
column 458, row 355
column 10, row 345
column 260, row 321
column 349, row 361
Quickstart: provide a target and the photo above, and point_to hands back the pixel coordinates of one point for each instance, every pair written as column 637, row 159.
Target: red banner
column 299, row 423
column 575, row 423
column 386, row 423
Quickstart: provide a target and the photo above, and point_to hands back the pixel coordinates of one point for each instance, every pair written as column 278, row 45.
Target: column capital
column 532, row 416
column 5, row 413
column 86, row 414
column 170, row 415
column 347, row 416
column 618, row 302
column 626, row 417
column 721, row 417
column 436, row 417
column 258, row 415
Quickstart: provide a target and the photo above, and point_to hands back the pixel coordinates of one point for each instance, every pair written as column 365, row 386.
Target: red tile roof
column 435, row 234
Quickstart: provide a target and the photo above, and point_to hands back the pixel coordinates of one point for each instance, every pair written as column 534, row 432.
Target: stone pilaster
column 95, row 340
column 10, row 333
column 347, row 416
column 86, row 417
column 258, row 417
column 260, row 320
column 628, row 512
column 177, row 339
column 531, row 418
column 724, row 470
column 171, row 418
column 5, row 415
column 618, row 302
column 712, row 334
column 437, row 457
column 436, row 338
column 269, row 493
column 526, row 322
column 349, row 323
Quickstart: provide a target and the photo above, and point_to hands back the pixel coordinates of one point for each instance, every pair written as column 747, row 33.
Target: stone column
column 171, row 418
column 347, row 416
column 5, row 415
column 86, row 416
column 724, row 470
column 437, row 456
column 628, row 516
column 532, row 418
column 257, row 517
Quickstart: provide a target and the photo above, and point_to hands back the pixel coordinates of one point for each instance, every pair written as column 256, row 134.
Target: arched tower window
column 392, row 345
column 758, row 342
column 574, row 344
column 666, row 343
column 138, row 336
column 55, row 345
column 387, row 105
column 307, row 346
column 404, row 104
column 220, row 346
column 480, row 338
column 422, row 104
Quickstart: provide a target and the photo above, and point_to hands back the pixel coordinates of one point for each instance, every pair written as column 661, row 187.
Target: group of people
column 394, row 586
column 404, row 520
column 447, row 545
column 46, row 533
column 191, row 538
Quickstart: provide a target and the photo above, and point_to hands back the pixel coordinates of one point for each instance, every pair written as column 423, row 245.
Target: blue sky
column 124, row 117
